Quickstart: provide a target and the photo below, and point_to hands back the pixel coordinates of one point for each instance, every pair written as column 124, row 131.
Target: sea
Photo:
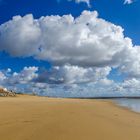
column 132, row 104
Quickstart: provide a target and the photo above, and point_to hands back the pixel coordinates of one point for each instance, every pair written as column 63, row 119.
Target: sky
column 70, row 48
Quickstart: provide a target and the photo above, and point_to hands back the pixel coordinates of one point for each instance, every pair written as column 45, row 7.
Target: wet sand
column 40, row 118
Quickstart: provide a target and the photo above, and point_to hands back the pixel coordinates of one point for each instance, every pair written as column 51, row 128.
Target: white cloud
column 57, row 75
column 83, row 1
column 128, row 1
column 79, row 1
column 2, row 76
column 132, row 83
column 131, row 63
column 30, row 79
column 106, row 82
column 85, row 41
column 82, row 51
column 75, row 82
column 88, row 2
column 23, row 77
column 68, row 74
column 24, row 33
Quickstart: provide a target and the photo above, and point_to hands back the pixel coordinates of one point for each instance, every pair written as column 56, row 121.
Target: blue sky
column 126, row 16
column 115, row 11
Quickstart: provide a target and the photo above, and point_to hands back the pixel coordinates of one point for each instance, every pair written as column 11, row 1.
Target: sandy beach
column 40, row 118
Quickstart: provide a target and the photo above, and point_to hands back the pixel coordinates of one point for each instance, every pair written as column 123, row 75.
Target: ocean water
column 132, row 104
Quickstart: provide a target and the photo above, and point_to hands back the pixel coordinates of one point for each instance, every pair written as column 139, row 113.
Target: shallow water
column 133, row 104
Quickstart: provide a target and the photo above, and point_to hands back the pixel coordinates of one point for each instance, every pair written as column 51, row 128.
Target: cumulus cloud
column 31, row 78
column 68, row 74
column 89, row 5
column 82, row 52
column 11, row 79
column 57, row 75
column 74, row 81
column 68, row 81
column 83, row 1
column 79, row 1
column 2, row 76
column 85, row 41
column 128, row 1
column 131, row 63
column 131, row 83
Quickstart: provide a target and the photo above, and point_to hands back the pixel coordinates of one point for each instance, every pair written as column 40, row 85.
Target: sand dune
column 41, row 118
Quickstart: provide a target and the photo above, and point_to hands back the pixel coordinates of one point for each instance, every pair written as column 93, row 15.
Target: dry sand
column 40, row 118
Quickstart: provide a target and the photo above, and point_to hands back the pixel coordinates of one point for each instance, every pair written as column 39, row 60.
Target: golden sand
column 40, row 118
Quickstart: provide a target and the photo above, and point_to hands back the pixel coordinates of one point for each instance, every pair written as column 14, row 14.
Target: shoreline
column 31, row 117
column 123, row 107
column 106, row 99
column 110, row 99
